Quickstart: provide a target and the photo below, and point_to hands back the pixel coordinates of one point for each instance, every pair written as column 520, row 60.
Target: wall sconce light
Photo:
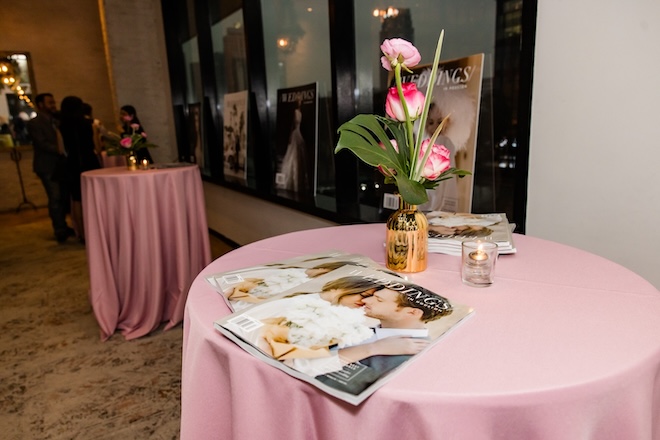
column 386, row 13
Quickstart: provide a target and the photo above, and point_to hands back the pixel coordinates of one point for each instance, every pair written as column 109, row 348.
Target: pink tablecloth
column 112, row 161
column 565, row 345
column 147, row 239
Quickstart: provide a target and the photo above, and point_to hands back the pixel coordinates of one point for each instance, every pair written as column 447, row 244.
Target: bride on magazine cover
column 397, row 318
column 338, row 302
column 294, row 164
column 262, row 284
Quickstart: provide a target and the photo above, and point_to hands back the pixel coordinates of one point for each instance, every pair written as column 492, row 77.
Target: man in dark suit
column 49, row 163
column 403, row 314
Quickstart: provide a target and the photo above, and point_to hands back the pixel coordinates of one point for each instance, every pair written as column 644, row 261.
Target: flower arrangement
column 390, row 143
column 127, row 145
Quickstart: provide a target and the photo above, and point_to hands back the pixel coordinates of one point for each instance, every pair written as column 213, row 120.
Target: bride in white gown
column 294, row 164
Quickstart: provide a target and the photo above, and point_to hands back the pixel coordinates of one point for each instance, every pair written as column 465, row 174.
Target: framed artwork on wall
column 235, row 136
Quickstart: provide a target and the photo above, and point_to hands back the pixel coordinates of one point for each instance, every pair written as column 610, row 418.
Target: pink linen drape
column 564, row 345
column 112, row 161
column 147, row 239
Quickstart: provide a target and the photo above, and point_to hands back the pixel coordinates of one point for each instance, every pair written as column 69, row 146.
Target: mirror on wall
column 16, row 94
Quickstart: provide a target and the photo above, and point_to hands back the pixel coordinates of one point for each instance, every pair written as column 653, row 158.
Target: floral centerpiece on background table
column 127, row 145
column 391, row 144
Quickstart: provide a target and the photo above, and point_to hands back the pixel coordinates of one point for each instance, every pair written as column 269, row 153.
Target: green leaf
column 363, row 135
column 398, row 131
column 411, row 191
column 368, row 151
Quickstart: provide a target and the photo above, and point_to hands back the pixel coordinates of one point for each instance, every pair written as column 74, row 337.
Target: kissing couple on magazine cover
column 403, row 311
column 351, row 330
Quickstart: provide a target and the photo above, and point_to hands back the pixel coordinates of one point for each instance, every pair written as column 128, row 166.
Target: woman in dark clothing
column 128, row 116
column 78, row 137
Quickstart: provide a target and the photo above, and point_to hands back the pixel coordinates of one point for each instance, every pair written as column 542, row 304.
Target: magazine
column 297, row 134
column 235, row 136
column 448, row 230
column 255, row 284
column 346, row 332
column 456, row 95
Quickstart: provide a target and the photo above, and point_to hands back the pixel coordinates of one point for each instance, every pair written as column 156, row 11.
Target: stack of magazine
column 448, row 230
column 338, row 321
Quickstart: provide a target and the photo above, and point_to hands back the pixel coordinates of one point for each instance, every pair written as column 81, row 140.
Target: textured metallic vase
column 131, row 162
column 407, row 239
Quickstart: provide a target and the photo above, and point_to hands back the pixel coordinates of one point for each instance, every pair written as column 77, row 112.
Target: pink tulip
column 143, row 134
column 399, row 51
column 126, row 142
column 438, row 161
column 414, row 100
column 135, row 126
column 127, row 118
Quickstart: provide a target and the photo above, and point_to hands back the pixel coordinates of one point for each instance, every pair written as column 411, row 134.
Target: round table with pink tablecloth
column 564, row 345
column 147, row 239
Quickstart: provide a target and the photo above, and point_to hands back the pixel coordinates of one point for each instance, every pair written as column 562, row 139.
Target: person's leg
column 56, row 209
column 77, row 217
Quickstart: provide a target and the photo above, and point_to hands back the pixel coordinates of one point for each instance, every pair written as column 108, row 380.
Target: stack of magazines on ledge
column 338, row 321
column 448, row 230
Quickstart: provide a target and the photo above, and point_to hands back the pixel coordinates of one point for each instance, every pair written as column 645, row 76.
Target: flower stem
column 409, row 124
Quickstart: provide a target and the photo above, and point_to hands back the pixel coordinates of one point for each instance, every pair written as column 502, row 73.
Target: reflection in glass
column 231, row 79
column 297, row 50
column 16, row 107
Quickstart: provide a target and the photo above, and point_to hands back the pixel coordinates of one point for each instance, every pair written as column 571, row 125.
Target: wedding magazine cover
column 448, row 230
column 297, row 134
column 456, row 95
column 346, row 332
column 255, row 284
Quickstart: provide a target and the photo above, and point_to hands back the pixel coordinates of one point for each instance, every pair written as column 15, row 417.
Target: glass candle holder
column 478, row 262
column 144, row 164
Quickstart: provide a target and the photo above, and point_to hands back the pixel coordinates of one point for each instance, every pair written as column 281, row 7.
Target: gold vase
column 407, row 239
column 131, row 162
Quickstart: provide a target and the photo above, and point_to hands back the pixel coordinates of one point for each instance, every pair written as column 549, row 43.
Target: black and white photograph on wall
column 196, row 137
column 297, row 134
column 235, row 136
column 457, row 97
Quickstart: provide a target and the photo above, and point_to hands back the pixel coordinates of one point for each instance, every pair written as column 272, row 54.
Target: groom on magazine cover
column 402, row 315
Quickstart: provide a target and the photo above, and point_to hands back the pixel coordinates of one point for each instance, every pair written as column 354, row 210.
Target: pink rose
column 414, row 100
column 143, row 134
column 399, row 51
column 135, row 126
column 438, row 161
column 388, row 172
column 126, row 142
column 127, row 118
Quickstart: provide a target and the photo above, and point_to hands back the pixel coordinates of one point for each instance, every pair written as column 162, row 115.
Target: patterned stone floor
column 57, row 379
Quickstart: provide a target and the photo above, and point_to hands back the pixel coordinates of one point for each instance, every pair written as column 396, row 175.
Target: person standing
column 49, row 163
column 129, row 119
column 78, row 136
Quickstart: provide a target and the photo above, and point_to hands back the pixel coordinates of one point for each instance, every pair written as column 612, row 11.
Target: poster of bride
column 296, row 135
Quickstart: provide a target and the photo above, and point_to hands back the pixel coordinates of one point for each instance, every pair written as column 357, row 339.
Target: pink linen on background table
column 147, row 239
column 564, row 345
column 112, row 161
